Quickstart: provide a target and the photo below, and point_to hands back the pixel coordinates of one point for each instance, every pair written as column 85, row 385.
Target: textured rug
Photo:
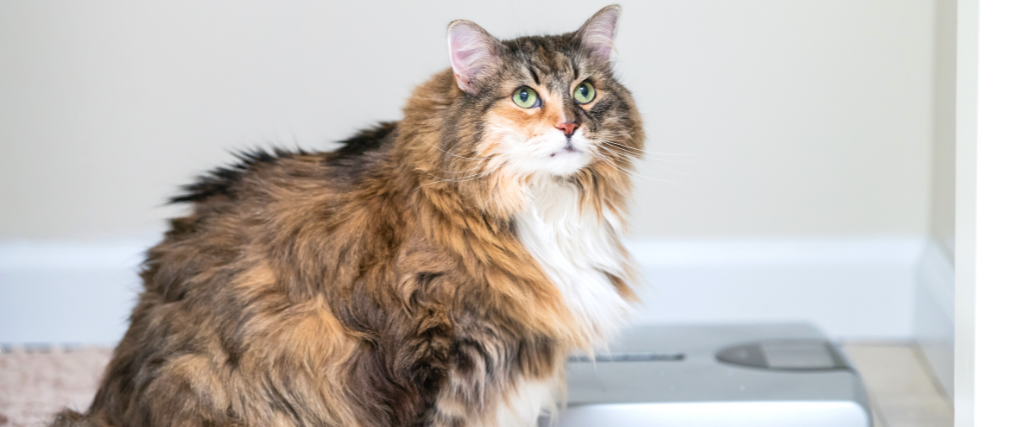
column 37, row 382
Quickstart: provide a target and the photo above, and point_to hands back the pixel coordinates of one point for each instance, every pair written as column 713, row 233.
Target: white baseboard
column 853, row 288
column 934, row 313
column 68, row 292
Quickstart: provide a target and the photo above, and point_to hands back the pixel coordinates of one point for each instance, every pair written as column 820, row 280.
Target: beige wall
column 797, row 117
column 943, row 167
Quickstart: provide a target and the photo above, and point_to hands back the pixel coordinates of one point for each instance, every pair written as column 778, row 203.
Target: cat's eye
column 526, row 97
column 585, row 93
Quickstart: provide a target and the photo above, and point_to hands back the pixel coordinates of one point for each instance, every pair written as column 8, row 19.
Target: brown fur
column 359, row 287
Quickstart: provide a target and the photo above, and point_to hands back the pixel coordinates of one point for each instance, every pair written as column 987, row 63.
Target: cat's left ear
column 598, row 33
column 473, row 52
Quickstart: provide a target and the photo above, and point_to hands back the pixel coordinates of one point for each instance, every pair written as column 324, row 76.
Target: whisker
column 494, row 192
column 642, row 156
column 462, row 179
column 631, row 173
column 630, row 154
column 641, row 162
column 644, row 150
column 456, row 155
column 475, row 167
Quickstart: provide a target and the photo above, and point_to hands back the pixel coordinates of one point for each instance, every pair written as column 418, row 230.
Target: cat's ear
column 473, row 53
column 598, row 33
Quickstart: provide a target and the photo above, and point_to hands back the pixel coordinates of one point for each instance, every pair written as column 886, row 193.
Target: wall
column 934, row 307
column 783, row 118
column 942, row 216
column 790, row 141
column 966, row 216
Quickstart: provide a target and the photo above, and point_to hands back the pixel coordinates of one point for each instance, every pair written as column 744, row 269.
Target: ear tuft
column 473, row 52
column 598, row 33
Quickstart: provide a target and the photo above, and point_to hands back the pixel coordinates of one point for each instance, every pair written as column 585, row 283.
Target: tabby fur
column 385, row 283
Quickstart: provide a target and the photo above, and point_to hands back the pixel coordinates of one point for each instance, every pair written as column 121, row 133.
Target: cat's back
column 258, row 170
column 268, row 202
column 238, row 286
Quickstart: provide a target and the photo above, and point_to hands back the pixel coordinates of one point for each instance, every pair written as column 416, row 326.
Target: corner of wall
column 934, row 312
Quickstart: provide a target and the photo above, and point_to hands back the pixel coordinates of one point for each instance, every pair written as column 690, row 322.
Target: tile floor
column 35, row 384
column 902, row 389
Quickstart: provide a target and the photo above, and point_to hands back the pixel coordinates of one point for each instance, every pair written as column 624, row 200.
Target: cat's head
column 544, row 105
column 531, row 107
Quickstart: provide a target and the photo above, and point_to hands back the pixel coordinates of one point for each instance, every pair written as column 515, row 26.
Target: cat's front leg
column 519, row 406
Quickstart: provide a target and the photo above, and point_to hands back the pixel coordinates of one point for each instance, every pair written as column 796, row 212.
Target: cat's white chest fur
column 577, row 250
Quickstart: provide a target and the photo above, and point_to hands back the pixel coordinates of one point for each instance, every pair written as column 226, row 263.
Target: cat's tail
column 69, row 418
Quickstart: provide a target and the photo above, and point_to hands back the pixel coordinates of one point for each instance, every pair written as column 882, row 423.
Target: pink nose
column 568, row 128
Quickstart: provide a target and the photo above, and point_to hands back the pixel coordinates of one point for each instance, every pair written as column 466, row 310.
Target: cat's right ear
column 473, row 53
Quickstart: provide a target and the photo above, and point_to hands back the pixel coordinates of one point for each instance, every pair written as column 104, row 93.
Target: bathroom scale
column 729, row 375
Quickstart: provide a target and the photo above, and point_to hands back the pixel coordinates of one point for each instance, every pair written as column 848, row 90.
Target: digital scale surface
column 772, row 375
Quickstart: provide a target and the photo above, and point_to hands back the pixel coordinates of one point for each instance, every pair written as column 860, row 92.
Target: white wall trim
column 44, row 255
column 788, row 251
column 934, row 312
column 967, row 76
column 853, row 288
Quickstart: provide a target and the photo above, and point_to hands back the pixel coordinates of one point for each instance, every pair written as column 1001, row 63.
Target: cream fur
column 577, row 248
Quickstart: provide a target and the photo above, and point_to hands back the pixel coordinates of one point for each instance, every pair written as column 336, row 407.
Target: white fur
column 576, row 248
column 543, row 153
column 522, row 406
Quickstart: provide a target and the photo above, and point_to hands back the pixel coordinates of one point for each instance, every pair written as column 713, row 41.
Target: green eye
column 584, row 93
column 525, row 97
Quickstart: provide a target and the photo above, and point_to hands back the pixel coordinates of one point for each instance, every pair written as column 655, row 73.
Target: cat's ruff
column 578, row 247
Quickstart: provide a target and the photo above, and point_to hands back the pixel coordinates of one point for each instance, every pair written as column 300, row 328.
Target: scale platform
column 763, row 375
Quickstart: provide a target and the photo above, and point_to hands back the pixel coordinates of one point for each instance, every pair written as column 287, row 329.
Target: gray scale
column 763, row 375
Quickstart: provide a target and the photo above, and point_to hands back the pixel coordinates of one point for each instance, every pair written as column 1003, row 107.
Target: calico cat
column 434, row 271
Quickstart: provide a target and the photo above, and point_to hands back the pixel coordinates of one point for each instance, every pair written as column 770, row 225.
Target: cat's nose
column 568, row 128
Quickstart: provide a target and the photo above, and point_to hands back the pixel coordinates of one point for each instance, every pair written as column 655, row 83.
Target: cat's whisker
column 639, row 151
column 632, row 173
column 464, row 179
column 621, row 145
column 630, row 154
column 642, row 161
column 494, row 192
column 456, row 155
column 639, row 154
column 475, row 167
column 645, row 151
column 461, row 179
column 478, row 162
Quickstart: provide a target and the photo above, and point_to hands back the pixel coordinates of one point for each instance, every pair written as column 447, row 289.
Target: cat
column 434, row 271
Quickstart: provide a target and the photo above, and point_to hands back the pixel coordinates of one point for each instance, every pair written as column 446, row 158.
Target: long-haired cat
column 433, row 271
